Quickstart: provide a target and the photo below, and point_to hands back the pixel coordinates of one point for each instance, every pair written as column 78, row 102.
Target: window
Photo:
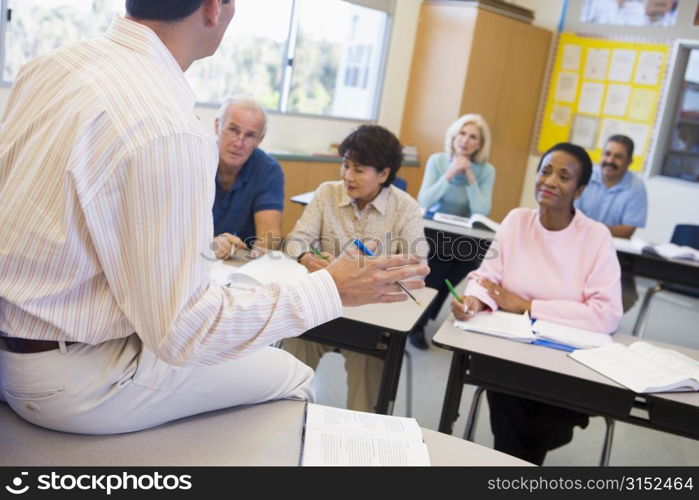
column 251, row 55
column 337, row 59
column 319, row 57
column 682, row 149
column 38, row 26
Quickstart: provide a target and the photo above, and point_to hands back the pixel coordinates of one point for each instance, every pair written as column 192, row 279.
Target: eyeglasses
column 234, row 134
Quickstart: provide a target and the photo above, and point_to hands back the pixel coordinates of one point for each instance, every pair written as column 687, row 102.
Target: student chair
column 400, row 183
column 683, row 235
column 473, row 415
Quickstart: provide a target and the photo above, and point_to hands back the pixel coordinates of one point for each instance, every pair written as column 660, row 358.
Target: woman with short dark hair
column 364, row 205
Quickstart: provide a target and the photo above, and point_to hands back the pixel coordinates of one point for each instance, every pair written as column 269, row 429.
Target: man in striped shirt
column 108, row 320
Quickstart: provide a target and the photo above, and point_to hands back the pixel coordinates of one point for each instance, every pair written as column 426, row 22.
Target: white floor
column 673, row 319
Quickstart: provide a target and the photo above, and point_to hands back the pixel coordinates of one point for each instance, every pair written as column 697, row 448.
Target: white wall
column 547, row 15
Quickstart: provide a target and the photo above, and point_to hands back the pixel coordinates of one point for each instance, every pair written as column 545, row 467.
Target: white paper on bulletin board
column 600, row 87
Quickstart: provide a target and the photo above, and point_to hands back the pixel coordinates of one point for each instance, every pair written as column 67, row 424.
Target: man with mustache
column 617, row 198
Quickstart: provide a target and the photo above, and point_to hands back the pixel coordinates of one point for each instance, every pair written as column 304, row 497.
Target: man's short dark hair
column 579, row 153
column 162, row 10
column 374, row 146
column 624, row 141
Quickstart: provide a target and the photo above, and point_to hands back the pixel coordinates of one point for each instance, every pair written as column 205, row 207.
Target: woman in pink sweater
column 558, row 265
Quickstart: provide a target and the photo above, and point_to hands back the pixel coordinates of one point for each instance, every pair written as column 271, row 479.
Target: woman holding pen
column 558, row 265
column 364, row 205
column 457, row 181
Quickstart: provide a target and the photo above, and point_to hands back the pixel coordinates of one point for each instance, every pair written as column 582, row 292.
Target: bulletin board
column 600, row 87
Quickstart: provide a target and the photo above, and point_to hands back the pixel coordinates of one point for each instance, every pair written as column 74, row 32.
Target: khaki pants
column 120, row 386
column 363, row 372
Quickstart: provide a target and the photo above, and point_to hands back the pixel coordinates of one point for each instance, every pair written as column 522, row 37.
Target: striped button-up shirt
column 106, row 189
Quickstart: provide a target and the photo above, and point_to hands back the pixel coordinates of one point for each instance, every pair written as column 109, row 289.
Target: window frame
column 670, row 104
column 386, row 6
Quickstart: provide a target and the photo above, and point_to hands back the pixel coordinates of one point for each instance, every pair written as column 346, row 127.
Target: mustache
column 607, row 164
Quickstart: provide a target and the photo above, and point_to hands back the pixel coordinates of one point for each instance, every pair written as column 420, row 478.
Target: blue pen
column 553, row 345
column 368, row 252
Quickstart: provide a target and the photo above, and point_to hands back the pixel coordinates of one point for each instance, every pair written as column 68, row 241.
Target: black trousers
column 527, row 429
column 451, row 257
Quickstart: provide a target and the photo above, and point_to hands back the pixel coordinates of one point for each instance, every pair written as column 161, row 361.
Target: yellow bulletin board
column 600, row 87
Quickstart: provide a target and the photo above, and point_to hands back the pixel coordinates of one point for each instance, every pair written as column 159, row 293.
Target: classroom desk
column 378, row 330
column 267, row 434
column 631, row 259
column 675, row 271
column 550, row 376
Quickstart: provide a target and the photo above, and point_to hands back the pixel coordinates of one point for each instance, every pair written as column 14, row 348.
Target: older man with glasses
column 249, row 183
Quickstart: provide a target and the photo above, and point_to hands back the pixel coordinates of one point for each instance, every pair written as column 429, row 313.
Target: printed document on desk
column 339, row 437
column 643, row 367
column 273, row 267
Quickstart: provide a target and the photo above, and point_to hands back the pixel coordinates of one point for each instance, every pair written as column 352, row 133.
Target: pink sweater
column 572, row 276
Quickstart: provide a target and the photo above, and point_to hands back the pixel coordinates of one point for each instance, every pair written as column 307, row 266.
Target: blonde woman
column 457, row 181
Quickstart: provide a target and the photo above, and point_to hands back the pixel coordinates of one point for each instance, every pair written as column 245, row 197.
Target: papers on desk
column 304, row 198
column 500, row 324
column 338, row 437
column 273, row 267
column 664, row 250
column 476, row 221
column 519, row 327
column 672, row 251
column 643, row 367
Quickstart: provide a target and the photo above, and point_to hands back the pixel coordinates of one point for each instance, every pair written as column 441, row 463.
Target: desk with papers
column 378, row 330
column 550, row 376
column 267, row 434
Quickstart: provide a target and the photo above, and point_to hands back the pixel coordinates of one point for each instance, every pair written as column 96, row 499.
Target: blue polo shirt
column 624, row 203
column 259, row 186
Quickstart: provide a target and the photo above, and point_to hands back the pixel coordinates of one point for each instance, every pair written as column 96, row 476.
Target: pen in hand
column 317, row 252
column 368, row 252
column 453, row 291
column 458, row 298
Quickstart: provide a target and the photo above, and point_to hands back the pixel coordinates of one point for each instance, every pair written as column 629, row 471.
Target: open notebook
column 520, row 328
column 338, row 437
column 273, row 267
column 643, row 367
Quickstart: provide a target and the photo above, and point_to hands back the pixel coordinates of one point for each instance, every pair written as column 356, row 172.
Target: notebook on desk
column 521, row 328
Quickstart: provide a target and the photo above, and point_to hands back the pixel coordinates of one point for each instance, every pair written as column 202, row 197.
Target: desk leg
column 391, row 373
column 452, row 396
